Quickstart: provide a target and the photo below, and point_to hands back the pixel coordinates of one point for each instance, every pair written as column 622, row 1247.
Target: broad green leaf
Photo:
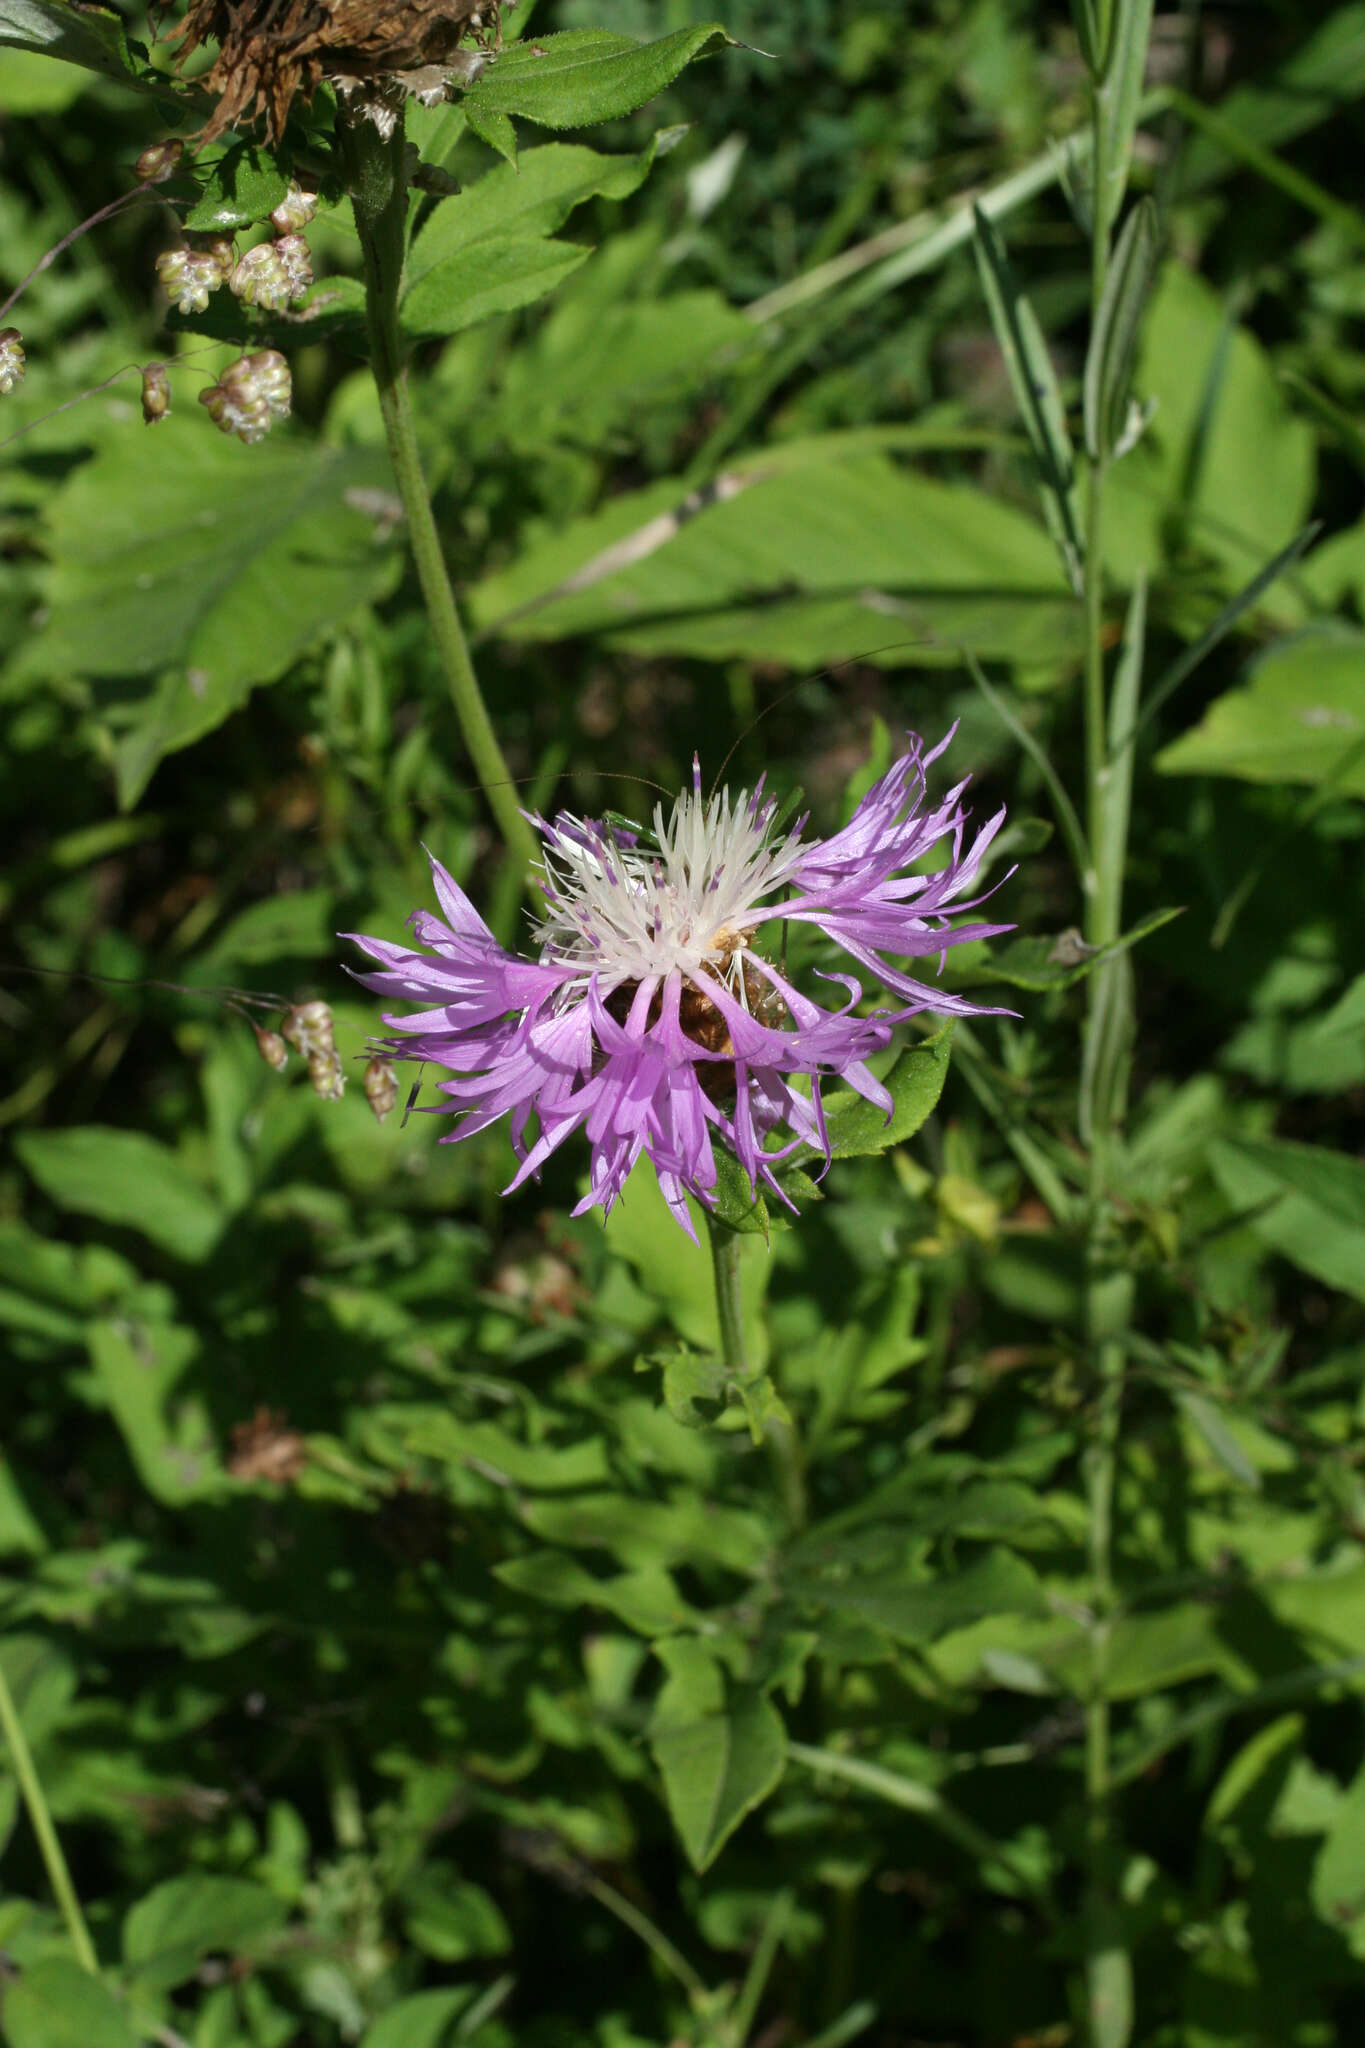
column 1226, row 464
column 698, row 1391
column 57, row 2004
column 720, row 1748
column 495, row 129
column 677, row 1273
column 856, row 1127
column 647, row 1601
column 167, row 1933
column 20, row 1534
column 487, row 250
column 171, row 1444
column 126, row 1178
column 1203, row 1417
column 921, row 1610
column 886, row 560
column 30, row 84
column 583, row 76
column 90, row 36
column 1300, row 712
column 422, row 2021
column 209, row 565
column 452, row 1918
column 645, row 1533
column 1310, row 1202
column 297, row 926
column 244, row 186
column 1338, row 1891
column 542, row 1467
column 42, row 1683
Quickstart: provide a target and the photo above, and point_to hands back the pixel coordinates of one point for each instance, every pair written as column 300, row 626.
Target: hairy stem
column 374, row 177
column 49, row 1847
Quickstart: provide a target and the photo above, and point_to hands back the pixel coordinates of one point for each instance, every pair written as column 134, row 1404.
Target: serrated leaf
column 208, row 565
column 720, row 1748
column 495, row 129
column 583, row 76
column 857, row 1127
column 57, row 2004
column 93, row 37
column 126, row 1178
column 488, row 250
column 244, row 186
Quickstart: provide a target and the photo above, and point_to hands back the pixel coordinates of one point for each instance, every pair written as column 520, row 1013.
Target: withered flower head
column 271, row 52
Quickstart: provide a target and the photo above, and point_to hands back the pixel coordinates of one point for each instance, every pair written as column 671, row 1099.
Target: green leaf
column 1299, row 713
column 856, row 1127
column 137, row 1368
column 583, row 76
column 167, row 1933
column 1041, row 962
column 244, row 186
column 299, row 926
column 884, row 560
column 423, row 2020
column 126, row 1178
column 1036, row 391
column 494, row 129
column 208, row 565
column 56, row 2004
column 1203, row 1416
column 90, row 36
column 1316, row 1204
column 720, row 1748
column 921, row 1610
column 1338, row 1888
column 1119, row 92
column 1113, row 346
column 452, row 1918
column 699, row 1388
column 486, row 250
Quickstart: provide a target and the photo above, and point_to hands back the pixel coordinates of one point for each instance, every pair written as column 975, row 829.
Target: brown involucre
column 272, row 51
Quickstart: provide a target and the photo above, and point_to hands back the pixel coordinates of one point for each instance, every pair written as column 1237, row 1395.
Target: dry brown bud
column 381, row 1087
column 156, row 393
column 325, row 1076
column 157, row 161
column 272, row 1047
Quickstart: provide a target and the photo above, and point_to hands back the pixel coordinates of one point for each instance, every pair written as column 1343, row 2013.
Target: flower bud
column 157, row 161
column 294, row 211
column 261, row 279
column 381, row 1087
column 250, row 395
column 189, row 275
column 272, row 1047
column 293, row 253
column 309, row 1027
column 326, row 1077
column 11, row 360
column 156, row 393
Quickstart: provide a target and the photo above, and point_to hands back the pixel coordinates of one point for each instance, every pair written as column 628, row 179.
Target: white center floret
column 688, row 902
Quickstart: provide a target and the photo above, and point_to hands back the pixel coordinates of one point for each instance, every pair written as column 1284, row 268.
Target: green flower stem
column 784, row 1447
column 378, row 189
column 54, row 1862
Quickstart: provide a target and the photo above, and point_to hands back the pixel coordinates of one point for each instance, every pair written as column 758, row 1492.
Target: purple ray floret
column 652, row 1020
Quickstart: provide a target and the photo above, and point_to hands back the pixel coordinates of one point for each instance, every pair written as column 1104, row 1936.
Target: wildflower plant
column 656, row 1018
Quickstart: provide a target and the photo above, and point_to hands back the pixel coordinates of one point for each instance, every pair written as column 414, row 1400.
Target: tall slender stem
column 374, row 176
column 1108, row 1292
column 49, row 1847
column 784, row 1446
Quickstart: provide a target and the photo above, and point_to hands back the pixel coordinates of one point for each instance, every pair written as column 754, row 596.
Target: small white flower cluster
column 250, row 395
column 11, row 360
column 189, row 275
column 272, row 276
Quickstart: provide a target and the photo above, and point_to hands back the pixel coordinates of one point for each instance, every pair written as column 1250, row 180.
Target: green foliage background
column 529, row 1699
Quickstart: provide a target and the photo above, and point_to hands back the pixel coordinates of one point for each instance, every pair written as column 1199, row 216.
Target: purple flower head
column 654, row 1019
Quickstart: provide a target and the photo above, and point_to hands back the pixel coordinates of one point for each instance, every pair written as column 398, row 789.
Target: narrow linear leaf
column 1120, row 94
column 1036, row 391
column 1113, row 347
